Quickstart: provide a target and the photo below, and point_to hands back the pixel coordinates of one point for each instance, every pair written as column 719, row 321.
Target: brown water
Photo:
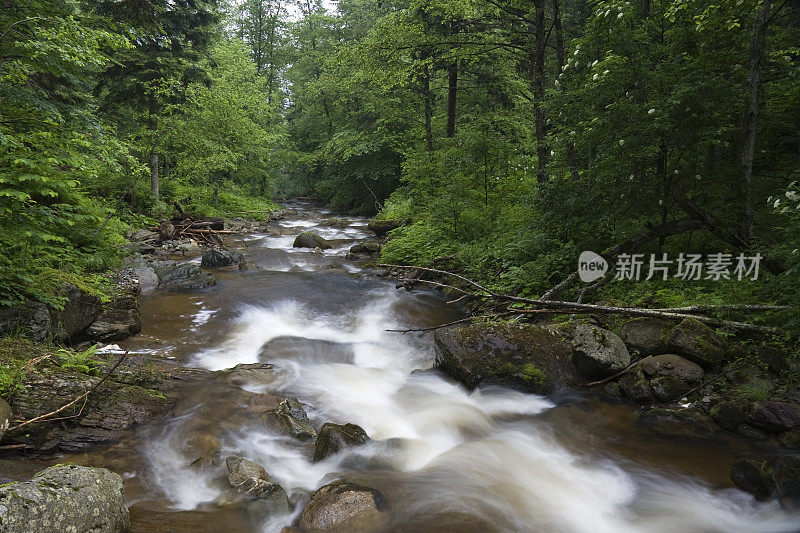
column 447, row 459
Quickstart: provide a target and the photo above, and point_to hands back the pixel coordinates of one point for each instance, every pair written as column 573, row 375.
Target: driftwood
column 520, row 305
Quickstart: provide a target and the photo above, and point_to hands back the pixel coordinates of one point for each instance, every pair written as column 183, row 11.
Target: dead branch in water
column 546, row 306
column 47, row 417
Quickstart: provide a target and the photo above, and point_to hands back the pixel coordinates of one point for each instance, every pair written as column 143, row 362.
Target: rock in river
column 334, row 438
column 523, row 356
column 216, row 257
column 187, row 277
column 309, row 239
column 291, row 419
column 65, row 498
column 344, row 506
column 265, row 497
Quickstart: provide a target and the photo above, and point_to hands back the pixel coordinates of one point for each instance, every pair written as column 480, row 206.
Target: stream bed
column 447, row 459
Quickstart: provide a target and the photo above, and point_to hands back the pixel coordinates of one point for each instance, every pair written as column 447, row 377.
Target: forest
column 502, row 138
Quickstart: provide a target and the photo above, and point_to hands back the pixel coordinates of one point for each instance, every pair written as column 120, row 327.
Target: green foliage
column 85, row 362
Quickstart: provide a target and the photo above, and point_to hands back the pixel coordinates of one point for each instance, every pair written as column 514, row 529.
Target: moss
column 533, row 374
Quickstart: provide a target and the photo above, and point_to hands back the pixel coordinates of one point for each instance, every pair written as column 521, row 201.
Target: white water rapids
column 488, row 457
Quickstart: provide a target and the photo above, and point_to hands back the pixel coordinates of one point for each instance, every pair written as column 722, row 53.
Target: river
column 447, row 459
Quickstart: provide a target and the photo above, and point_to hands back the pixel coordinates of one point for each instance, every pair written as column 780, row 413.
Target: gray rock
column 120, row 317
column 598, row 353
column 344, row 506
column 187, row 277
column 697, row 342
column 672, row 365
column 729, row 414
column 220, row 258
column 749, row 475
column 31, row 319
column 5, row 417
column 309, row 239
column 148, row 279
column 65, row 498
column 646, row 335
column 262, row 496
column 290, row 419
column 522, row 356
column 80, row 310
column 144, row 235
column 334, row 438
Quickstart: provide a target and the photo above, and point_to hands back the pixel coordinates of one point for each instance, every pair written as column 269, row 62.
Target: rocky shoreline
column 688, row 381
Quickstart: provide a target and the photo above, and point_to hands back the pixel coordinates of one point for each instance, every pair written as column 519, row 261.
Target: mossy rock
column 522, row 356
column 698, row 343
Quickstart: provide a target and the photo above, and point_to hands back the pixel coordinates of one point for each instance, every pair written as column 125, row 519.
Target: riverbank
column 288, row 366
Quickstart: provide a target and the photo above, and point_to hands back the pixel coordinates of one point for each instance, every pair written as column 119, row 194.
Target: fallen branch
column 620, row 373
column 453, row 323
column 577, row 307
column 47, row 416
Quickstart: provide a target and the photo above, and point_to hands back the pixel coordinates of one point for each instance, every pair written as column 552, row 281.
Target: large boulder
column 186, row 277
column 110, row 410
column 749, row 475
column 344, row 506
column 309, row 239
column 5, row 417
column 646, row 335
column 263, row 497
column 291, row 419
column 636, row 386
column 598, row 353
column 366, row 248
column 120, row 317
column 697, row 342
column 334, row 438
column 776, row 417
column 523, row 356
column 65, row 498
column 80, row 310
column 381, row 227
column 216, row 257
column 671, row 376
column 31, row 319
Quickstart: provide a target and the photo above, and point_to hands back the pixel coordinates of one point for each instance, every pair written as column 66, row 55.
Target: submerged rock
column 344, row 506
column 264, row 497
column 220, row 258
column 522, row 356
column 291, row 419
column 65, row 498
column 187, row 277
column 309, row 239
column 598, row 353
column 334, row 438
column 697, row 342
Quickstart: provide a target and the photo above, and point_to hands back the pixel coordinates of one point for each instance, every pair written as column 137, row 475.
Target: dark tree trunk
column 750, row 130
column 540, row 120
column 428, row 103
column 154, row 173
column 572, row 159
column 452, row 92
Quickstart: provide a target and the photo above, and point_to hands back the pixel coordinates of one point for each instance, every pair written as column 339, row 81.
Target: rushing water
column 447, row 459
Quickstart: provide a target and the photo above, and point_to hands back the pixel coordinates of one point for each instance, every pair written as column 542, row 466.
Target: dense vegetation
column 508, row 136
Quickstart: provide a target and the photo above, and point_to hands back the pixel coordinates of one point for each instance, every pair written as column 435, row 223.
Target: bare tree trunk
column 750, row 130
column 154, row 172
column 452, row 91
column 540, row 120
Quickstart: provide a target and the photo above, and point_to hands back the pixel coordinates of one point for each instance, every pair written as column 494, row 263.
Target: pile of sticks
column 204, row 231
